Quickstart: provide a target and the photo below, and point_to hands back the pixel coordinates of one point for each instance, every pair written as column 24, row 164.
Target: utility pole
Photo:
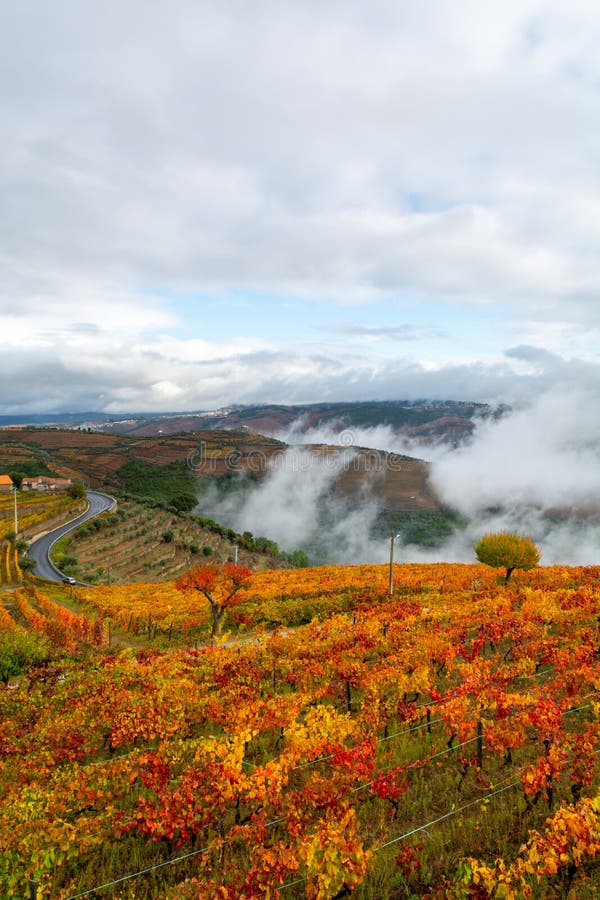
column 16, row 515
column 392, row 539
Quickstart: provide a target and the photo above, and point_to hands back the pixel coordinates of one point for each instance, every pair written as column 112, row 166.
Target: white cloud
column 545, row 455
column 98, row 370
column 434, row 152
column 295, row 505
column 536, row 471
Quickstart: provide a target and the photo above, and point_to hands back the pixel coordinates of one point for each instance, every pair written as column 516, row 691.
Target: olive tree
column 509, row 550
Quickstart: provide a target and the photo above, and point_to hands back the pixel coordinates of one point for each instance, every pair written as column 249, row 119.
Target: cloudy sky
column 213, row 202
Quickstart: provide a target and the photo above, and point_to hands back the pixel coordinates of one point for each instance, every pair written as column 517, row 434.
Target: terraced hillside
column 145, row 542
column 397, row 482
column 447, row 421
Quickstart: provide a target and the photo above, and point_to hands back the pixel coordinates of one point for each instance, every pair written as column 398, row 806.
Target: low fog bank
column 375, row 437
column 535, row 470
column 545, row 454
column 564, row 542
column 294, row 506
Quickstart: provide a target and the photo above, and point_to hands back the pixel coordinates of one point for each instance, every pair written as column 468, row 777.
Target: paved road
column 40, row 548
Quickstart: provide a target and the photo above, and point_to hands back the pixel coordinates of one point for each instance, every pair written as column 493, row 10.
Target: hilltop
column 428, row 421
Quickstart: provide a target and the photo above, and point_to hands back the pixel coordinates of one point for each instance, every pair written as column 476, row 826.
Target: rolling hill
column 221, row 468
column 398, row 482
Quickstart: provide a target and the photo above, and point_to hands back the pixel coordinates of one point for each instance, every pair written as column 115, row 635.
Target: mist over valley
column 534, row 468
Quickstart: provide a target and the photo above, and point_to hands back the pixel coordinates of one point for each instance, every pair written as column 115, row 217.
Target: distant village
column 37, row 483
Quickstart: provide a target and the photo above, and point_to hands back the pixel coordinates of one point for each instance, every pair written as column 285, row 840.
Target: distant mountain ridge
column 447, row 421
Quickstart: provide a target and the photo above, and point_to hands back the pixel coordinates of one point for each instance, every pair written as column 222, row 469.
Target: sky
column 207, row 203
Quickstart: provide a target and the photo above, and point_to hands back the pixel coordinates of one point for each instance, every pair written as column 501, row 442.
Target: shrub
column 20, row 649
column 184, row 502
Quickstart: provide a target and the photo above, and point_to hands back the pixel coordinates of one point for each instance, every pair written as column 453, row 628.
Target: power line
column 145, row 871
column 447, row 815
column 281, row 819
column 424, row 827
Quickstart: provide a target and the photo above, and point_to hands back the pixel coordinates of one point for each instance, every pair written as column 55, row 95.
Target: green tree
column 298, row 558
column 77, row 491
column 68, row 563
column 509, row 550
column 184, row 502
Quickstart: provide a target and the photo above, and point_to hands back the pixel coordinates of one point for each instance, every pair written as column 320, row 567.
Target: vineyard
column 33, row 510
column 274, row 597
column 439, row 743
column 10, row 571
column 99, row 456
column 143, row 542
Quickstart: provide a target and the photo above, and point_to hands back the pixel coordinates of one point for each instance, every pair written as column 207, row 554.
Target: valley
column 215, row 473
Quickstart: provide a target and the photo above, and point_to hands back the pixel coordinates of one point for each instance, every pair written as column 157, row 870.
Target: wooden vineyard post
column 348, row 696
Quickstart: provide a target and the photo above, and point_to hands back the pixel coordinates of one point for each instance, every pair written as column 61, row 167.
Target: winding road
column 40, row 548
